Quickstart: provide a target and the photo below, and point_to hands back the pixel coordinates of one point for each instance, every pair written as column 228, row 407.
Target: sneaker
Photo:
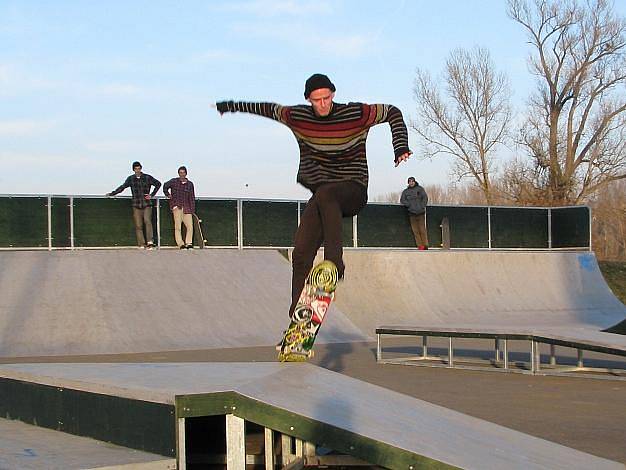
column 189, row 247
column 150, row 246
column 182, row 247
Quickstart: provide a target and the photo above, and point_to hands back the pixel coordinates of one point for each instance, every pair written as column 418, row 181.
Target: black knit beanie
column 315, row 82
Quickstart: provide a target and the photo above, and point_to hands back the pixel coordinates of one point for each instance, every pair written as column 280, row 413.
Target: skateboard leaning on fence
column 197, row 225
column 317, row 294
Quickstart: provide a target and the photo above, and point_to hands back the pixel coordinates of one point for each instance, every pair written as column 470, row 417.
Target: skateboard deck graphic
column 317, row 294
column 197, row 224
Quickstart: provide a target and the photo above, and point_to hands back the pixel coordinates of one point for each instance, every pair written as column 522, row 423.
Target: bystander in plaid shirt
column 139, row 186
column 182, row 195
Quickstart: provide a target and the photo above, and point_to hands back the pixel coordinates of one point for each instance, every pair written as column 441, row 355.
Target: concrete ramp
column 315, row 405
column 126, row 301
column 477, row 288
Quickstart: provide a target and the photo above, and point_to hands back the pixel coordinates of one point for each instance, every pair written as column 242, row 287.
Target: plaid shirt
column 182, row 195
column 139, row 186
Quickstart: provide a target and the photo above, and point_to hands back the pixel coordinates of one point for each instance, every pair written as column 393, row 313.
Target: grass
column 614, row 273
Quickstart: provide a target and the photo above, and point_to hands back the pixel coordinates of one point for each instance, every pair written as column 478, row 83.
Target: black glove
column 225, row 106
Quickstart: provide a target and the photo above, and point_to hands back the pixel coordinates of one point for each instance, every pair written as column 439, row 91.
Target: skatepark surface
column 129, row 301
column 229, row 306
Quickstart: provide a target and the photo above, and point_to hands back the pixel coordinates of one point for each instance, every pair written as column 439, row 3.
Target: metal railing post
column 489, row 226
column 49, row 223
column 590, row 229
column 158, row 221
column 72, row 245
column 240, row 224
column 355, row 232
column 549, row 228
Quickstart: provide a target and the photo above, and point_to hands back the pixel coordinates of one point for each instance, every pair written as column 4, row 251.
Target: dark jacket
column 139, row 186
column 414, row 199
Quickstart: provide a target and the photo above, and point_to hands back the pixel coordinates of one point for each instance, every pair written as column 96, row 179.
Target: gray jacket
column 414, row 199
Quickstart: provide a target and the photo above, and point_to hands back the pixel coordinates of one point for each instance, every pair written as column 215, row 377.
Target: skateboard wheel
column 324, row 276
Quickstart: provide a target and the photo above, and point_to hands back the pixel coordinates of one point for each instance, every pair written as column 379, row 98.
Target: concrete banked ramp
column 127, row 301
column 98, row 302
column 545, row 290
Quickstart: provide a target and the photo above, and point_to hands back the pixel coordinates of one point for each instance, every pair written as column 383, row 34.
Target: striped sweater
column 332, row 148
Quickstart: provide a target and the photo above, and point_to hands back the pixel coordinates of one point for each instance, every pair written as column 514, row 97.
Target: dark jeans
column 321, row 223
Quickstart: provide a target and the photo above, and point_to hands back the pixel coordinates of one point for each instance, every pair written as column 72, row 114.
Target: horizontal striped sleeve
column 273, row 111
column 399, row 136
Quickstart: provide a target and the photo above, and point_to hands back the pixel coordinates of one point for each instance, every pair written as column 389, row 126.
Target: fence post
column 489, row 226
column 239, row 224
column 549, row 228
column 49, row 223
column 72, row 222
column 590, row 230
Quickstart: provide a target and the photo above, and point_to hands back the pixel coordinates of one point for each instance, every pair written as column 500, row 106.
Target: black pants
column 321, row 222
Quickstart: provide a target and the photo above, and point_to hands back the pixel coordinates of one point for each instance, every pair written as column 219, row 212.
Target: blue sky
column 86, row 87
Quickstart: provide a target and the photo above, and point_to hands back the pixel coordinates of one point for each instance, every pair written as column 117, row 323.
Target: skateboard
column 197, row 224
column 317, row 294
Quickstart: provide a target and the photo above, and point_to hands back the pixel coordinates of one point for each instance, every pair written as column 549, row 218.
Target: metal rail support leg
column 533, row 356
column 450, row 353
column 497, row 348
column 424, row 346
column 552, row 355
column 580, row 359
column 505, row 353
column 537, row 357
column 378, row 348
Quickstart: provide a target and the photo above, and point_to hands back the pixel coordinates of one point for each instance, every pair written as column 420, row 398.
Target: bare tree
column 574, row 131
column 609, row 221
column 470, row 120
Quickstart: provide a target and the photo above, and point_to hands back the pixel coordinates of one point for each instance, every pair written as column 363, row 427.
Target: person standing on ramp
column 333, row 165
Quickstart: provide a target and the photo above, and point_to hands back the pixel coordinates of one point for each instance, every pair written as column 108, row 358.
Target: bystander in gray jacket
column 415, row 199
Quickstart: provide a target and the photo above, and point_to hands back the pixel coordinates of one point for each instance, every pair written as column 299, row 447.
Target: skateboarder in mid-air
column 333, row 165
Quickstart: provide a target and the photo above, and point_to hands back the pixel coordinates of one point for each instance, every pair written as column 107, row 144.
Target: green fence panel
column 469, row 226
column 219, row 221
column 570, row 227
column 23, row 222
column 519, row 227
column 166, row 221
column 382, row 225
column 105, row 222
column 269, row 223
column 60, row 222
column 347, row 229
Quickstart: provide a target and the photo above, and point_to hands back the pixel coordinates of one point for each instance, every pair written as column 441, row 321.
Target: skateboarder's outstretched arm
column 273, row 111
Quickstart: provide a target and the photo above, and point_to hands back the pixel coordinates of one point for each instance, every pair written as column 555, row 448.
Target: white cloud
column 115, row 146
column 281, row 7
column 42, row 160
column 22, row 127
column 337, row 45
